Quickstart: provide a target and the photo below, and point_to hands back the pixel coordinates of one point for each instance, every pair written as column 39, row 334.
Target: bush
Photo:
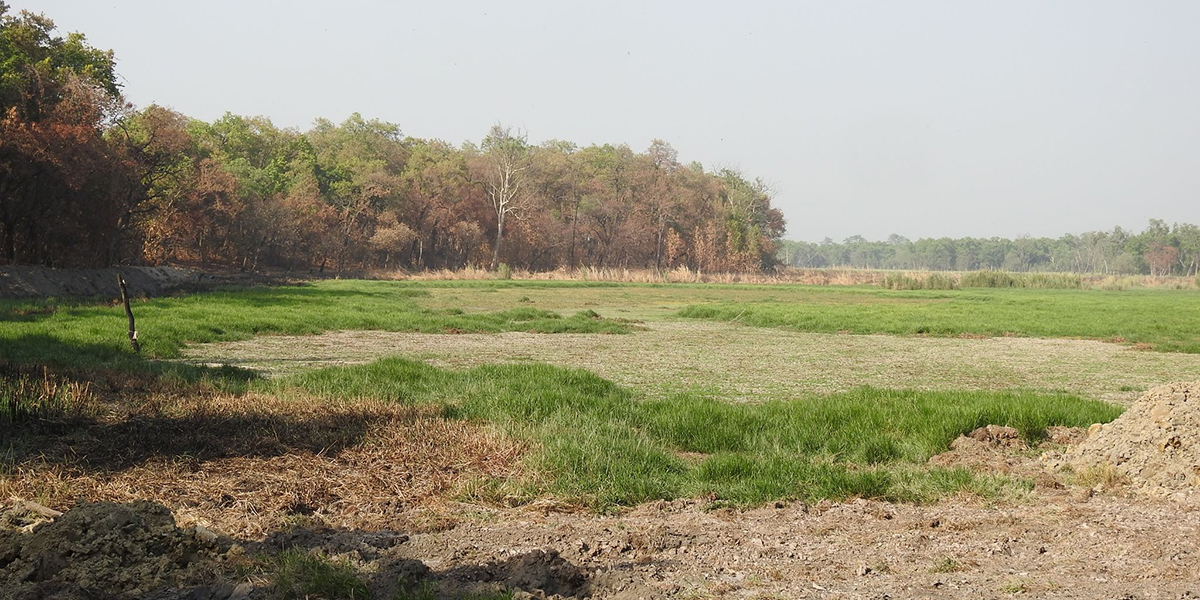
column 503, row 271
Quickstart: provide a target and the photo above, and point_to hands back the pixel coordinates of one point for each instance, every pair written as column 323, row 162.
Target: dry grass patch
column 251, row 464
column 744, row 363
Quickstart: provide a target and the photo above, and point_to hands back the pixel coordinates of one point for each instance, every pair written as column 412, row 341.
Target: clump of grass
column 1015, row 586
column 25, row 398
column 1005, row 279
column 503, row 271
column 945, row 565
column 426, row 590
column 929, row 281
column 1104, row 475
column 423, row 590
column 300, row 574
column 600, row 443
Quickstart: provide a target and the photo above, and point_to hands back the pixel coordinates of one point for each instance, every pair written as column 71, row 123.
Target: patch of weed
column 945, row 565
column 300, row 574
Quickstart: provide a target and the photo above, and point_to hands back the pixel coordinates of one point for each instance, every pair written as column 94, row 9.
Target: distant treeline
column 1160, row 249
column 85, row 179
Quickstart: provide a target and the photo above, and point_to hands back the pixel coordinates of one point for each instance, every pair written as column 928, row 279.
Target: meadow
column 421, row 406
column 606, row 444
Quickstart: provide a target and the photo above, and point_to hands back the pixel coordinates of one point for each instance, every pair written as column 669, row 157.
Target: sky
column 927, row 119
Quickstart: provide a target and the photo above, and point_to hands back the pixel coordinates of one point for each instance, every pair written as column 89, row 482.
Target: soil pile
column 40, row 282
column 1155, row 445
column 106, row 550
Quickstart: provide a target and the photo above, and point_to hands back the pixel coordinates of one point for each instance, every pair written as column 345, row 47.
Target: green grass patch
column 606, row 445
column 90, row 335
column 302, row 575
column 1167, row 320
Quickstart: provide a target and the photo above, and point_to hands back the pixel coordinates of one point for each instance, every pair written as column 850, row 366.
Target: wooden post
column 137, row 348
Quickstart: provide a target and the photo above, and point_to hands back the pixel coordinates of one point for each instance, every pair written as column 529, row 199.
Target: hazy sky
column 921, row 118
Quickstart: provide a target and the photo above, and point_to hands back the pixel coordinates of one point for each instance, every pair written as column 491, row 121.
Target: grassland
column 1163, row 320
column 605, row 444
column 82, row 334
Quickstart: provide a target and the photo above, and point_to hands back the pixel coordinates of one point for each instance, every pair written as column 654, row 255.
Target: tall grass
column 28, row 398
column 929, row 281
column 1005, row 279
column 602, row 443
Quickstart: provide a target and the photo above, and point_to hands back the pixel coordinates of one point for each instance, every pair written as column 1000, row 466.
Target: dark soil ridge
column 45, row 282
column 121, row 551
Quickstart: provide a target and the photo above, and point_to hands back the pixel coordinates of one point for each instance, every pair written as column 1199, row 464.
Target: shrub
column 503, row 271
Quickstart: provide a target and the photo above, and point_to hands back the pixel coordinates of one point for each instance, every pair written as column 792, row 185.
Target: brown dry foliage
column 680, row 274
column 247, row 465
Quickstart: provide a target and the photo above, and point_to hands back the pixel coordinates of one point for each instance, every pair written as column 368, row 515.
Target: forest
column 88, row 180
column 1160, row 249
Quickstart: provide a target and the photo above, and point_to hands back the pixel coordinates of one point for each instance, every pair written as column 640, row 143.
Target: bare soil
column 1154, row 446
column 1065, row 539
column 1061, row 545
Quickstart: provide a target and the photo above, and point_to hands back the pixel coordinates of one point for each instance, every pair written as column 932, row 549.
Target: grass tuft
column 25, row 398
column 300, row 574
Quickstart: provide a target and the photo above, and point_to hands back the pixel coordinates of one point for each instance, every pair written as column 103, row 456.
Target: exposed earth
column 1070, row 537
column 1062, row 544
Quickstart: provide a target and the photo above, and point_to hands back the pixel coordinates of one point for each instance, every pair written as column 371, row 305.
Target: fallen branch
column 29, row 506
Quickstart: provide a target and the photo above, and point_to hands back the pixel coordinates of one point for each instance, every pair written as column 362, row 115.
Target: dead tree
column 137, row 348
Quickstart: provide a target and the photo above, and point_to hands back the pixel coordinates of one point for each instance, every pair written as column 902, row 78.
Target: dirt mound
column 41, row 282
column 990, row 449
column 1155, row 445
column 106, row 550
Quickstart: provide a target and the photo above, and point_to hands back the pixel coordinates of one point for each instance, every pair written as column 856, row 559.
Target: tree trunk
column 499, row 240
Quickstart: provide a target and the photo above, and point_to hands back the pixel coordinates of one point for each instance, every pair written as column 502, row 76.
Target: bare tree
column 508, row 157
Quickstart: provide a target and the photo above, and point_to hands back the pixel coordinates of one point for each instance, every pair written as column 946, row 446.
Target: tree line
column 87, row 179
column 1160, row 249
